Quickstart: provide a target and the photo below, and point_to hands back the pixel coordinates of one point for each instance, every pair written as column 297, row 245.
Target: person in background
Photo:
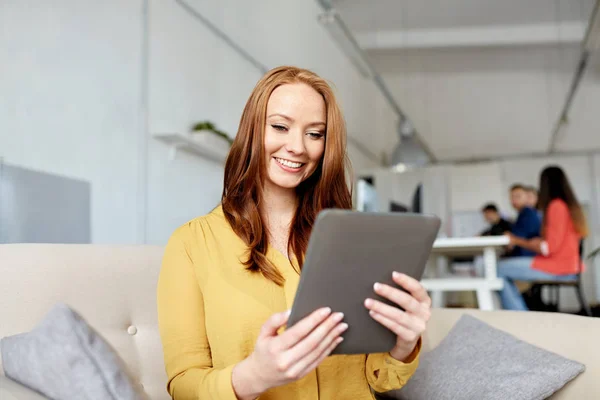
column 498, row 225
column 532, row 196
column 227, row 278
column 528, row 223
column 557, row 250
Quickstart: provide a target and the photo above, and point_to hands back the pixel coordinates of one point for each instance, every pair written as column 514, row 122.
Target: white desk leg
column 485, row 299
column 442, row 267
column 438, row 297
column 489, row 263
column 497, row 303
column 485, row 296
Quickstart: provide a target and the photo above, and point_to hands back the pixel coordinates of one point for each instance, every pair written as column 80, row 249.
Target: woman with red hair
column 228, row 277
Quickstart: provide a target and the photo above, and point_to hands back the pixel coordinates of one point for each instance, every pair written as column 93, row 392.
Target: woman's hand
column 279, row 359
column 408, row 325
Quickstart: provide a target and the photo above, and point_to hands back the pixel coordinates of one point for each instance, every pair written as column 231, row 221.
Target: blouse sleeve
column 385, row 373
column 187, row 355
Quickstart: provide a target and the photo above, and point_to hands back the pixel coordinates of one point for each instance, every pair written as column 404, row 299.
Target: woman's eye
column 279, row 128
column 316, row 135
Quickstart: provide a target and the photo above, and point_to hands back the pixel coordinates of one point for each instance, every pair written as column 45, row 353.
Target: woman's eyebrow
column 316, row 123
column 281, row 115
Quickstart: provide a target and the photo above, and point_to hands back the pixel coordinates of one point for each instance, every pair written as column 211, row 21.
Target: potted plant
column 201, row 129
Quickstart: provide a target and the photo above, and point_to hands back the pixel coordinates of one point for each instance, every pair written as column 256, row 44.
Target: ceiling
column 483, row 79
column 369, row 15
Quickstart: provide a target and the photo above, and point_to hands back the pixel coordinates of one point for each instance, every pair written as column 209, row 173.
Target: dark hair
column 490, row 207
column 555, row 185
column 517, row 186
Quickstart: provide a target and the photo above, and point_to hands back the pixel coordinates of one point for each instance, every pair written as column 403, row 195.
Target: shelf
column 202, row 144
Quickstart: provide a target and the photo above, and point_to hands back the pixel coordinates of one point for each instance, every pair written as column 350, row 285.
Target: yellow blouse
column 211, row 309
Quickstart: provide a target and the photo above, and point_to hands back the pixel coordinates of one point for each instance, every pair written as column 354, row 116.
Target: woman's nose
column 295, row 143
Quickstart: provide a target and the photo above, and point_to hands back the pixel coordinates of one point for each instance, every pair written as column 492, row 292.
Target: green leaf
column 209, row 126
column 203, row 126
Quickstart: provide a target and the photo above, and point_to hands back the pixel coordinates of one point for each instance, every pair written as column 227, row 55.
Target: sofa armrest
column 11, row 390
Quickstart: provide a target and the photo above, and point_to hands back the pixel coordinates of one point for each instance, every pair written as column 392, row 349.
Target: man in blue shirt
column 528, row 223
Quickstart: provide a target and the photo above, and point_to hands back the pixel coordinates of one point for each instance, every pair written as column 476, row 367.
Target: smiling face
column 294, row 139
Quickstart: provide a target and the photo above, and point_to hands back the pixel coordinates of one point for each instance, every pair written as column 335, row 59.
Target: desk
column 443, row 248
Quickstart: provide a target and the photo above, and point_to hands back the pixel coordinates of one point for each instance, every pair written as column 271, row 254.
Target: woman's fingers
column 328, row 329
column 404, row 300
column 407, row 323
column 283, row 358
column 273, row 324
column 400, row 331
column 396, row 315
column 413, row 286
column 324, row 354
column 310, row 342
column 397, row 296
column 296, row 333
column 316, row 346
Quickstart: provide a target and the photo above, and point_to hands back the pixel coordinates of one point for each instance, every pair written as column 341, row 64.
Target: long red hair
column 245, row 173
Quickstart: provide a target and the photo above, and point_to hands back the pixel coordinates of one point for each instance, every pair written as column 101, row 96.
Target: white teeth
column 288, row 163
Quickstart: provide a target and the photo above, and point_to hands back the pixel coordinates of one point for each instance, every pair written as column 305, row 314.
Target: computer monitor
column 417, row 199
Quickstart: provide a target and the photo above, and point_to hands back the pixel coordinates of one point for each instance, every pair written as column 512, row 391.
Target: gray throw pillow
column 63, row 359
column 476, row 361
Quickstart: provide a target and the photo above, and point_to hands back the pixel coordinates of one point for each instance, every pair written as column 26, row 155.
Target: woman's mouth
column 288, row 165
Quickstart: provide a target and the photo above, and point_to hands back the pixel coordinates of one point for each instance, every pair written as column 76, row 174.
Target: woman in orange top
column 563, row 227
column 228, row 277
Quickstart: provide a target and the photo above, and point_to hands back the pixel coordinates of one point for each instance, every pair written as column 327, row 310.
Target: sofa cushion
column 11, row 390
column 477, row 361
column 64, row 358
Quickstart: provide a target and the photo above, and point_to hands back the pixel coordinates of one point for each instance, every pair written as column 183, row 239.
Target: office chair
column 536, row 289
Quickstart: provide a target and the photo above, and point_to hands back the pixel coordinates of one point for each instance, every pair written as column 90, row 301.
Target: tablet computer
column 348, row 252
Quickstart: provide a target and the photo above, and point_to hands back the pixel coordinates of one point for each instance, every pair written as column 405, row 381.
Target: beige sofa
column 113, row 287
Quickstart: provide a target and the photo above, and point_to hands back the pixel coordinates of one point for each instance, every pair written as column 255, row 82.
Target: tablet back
column 347, row 253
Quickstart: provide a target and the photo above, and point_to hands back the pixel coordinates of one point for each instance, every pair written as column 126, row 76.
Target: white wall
column 471, row 186
column 193, row 76
column 85, row 84
column 70, row 88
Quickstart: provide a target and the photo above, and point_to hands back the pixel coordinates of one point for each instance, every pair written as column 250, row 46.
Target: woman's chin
column 287, row 185
column 283, row 183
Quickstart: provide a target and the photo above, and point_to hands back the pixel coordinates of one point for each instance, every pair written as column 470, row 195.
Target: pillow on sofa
column 11, row 390
column 477, row 361
column 63, row 358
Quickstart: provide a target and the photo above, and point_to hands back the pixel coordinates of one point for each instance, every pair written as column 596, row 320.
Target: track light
column 592, row 38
